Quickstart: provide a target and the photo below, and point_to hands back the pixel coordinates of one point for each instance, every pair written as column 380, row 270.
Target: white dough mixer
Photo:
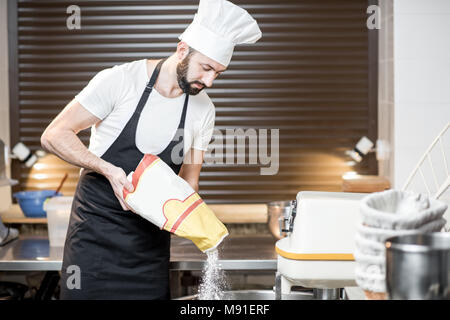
column 318, row 250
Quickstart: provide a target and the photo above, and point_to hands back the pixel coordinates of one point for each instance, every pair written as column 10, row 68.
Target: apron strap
column 183, row 115
column 154, row 76
column 148, row 89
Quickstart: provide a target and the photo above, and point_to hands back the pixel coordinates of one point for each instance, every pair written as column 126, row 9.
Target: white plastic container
column 58, row 214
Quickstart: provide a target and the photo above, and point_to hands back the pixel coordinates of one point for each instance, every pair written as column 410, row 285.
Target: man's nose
column 208, row 80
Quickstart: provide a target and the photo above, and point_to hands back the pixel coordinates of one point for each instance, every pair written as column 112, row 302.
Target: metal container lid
column 279, row 203
column 420, row 242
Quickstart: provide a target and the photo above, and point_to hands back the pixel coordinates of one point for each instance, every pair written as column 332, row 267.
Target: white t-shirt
column 113, row 94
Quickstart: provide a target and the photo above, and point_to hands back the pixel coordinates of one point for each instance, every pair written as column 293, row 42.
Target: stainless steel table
column 33, row 253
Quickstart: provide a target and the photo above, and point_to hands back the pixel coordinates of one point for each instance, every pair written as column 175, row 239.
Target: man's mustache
column 198, row 82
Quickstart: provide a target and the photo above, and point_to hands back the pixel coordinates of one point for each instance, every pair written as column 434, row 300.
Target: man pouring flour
column 134, row 109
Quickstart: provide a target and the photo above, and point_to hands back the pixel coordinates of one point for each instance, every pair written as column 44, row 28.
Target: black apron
column 120, row 255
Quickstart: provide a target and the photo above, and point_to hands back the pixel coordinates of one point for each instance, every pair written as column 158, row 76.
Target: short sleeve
column 102, row 92
column 203, row 135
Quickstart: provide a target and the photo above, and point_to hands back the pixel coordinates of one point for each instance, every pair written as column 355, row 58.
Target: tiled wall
column 386, row 85
column 5, row 193
column 414, row 80
column 421, row 79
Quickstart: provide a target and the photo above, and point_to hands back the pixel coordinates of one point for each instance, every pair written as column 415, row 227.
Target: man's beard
column 186, row 86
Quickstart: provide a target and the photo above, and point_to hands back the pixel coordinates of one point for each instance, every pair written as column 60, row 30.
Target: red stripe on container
column 185, row 214
column 146, row 161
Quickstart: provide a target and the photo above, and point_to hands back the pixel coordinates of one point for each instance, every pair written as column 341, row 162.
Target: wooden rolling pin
column 365, row 184
column 240, row 213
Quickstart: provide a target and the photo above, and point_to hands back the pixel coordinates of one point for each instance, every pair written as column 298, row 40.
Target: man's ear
column 182, row 50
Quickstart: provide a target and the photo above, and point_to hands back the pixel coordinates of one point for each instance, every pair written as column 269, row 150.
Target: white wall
column 386, row 85
column 5, row 192
column 421, row 79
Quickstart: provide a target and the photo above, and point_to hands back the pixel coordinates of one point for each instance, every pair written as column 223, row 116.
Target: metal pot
column 418, row 266
column 258, row 295
column 278, row 213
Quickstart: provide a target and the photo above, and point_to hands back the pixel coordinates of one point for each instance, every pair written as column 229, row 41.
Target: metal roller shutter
column 310, row 76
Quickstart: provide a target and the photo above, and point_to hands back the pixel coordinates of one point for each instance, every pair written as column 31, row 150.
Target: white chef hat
column 217, row 27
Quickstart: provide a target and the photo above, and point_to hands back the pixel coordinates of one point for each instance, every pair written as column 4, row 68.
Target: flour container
column 168, row 201
column 58, row 214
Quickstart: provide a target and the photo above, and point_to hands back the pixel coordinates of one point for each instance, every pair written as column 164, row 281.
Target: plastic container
column 31, row 202
column 58, row 214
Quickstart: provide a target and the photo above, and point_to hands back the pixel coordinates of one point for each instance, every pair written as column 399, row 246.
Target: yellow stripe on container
column 315, row 256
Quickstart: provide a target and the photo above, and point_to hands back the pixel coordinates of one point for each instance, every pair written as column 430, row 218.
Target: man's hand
column 118, row 180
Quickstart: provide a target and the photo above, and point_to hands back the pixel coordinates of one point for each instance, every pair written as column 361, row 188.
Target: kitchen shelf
column 234, row 213
column 15, row 215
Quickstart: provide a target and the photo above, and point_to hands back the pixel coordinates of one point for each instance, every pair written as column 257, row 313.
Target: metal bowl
column 418, row 266
column 277, row 210
column 258, row 295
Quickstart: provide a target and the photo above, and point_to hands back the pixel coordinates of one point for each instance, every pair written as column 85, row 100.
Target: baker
column 137, row 108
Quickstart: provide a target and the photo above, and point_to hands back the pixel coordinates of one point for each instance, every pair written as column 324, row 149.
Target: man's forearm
column 194, row 185
column 66, row 145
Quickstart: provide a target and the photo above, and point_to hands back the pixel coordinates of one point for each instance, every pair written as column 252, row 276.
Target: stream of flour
column 214, row 282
